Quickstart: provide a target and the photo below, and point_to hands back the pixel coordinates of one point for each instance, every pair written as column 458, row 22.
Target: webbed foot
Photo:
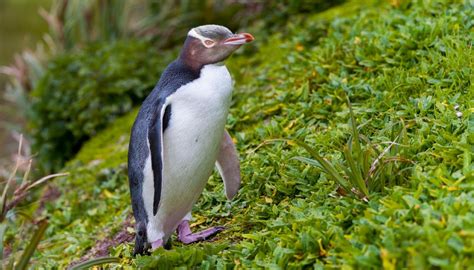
column 186, row 236
column 157, row 244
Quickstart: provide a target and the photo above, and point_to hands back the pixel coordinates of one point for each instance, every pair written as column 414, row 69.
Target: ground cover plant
column 406, row 68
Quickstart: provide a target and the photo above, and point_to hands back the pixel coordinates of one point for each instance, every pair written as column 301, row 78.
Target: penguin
column 179, row 136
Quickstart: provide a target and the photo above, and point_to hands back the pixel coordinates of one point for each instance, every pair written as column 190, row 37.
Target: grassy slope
column 411, row 65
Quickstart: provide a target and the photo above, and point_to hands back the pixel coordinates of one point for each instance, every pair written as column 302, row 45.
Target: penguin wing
column 158, row 124
column 228, row 165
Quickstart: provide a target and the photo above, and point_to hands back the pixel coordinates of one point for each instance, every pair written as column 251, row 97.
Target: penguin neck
column 193, row 65
column 188, row 57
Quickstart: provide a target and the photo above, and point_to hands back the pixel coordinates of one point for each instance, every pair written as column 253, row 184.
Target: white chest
column 190, row 143
column 207, row 97
column 198, row 114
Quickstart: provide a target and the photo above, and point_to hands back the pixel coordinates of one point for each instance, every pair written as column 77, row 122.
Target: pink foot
column 158, row 243
column 185, row 236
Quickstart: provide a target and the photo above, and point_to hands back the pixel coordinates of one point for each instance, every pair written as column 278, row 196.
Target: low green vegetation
column 407, row 70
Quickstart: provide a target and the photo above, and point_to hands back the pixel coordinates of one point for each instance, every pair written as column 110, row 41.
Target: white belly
column 191, row 142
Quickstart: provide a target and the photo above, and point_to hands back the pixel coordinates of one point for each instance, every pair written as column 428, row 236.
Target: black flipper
column 158, row 123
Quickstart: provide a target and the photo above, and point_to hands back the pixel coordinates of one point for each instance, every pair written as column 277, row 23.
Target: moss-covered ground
column 404, row 66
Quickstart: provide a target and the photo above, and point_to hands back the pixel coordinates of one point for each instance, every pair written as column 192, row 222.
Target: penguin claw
column 185, row 236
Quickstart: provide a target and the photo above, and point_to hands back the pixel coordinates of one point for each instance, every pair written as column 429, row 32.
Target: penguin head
column 209, row 44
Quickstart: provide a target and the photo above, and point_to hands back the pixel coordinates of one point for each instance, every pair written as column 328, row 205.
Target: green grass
column 410, row 66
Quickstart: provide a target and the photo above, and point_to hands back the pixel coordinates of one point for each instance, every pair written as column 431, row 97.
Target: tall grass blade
column 379, row 158
column 309, row 161
column 94, row 262
column 3, row 228
column 366, row 164
column 355, row 131
column 328, row 167
column 27, row 173
column 30, row 249
column 356, row 175
column 44, row 179
column 3, row 200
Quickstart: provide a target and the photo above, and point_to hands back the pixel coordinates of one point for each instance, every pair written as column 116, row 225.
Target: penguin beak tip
column 239, row 39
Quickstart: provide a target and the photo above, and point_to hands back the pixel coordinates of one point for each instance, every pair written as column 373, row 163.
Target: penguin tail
column 141, row 241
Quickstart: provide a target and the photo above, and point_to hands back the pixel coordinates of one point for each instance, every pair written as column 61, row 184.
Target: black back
column 148, row 125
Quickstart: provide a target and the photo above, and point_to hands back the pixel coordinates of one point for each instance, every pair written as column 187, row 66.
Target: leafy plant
column 9, row 201
column 365, row 169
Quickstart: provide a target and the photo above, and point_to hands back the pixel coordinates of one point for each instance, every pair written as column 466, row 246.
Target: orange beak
column 239, row 39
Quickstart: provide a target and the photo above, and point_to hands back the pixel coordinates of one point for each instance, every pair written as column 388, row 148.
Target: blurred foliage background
column 17, row 34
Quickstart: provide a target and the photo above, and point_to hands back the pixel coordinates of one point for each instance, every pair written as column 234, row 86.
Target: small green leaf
column 456, row 243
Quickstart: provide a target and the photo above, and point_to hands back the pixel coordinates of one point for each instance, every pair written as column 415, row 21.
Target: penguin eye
column 208, row 43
